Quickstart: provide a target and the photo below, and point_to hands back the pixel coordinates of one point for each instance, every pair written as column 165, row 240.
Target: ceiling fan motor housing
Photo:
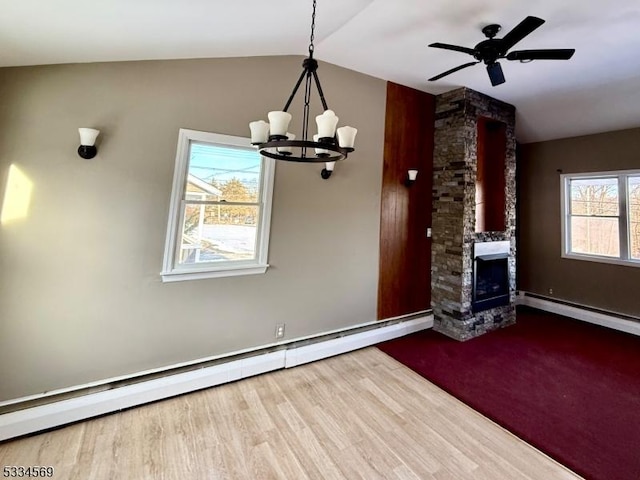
column 488, row 51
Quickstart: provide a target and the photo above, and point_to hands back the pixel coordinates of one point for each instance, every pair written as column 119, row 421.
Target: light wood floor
column 359, row 415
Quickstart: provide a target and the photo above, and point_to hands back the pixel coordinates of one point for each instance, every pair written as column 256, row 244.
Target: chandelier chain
column 313, row 27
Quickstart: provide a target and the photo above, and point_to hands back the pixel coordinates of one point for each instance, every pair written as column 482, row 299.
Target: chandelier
column 329, row 145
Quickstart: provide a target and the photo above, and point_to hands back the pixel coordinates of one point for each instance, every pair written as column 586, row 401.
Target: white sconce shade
column 287, row 150
column 88, row 136
column 320, row 151
column 87, row 147
column 279, row 122
column 329, row 166
column 259, row 131
column 411, row 177
column 347, row 136
column 327, row 123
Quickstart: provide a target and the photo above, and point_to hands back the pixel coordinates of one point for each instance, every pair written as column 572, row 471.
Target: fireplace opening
column 490, row 281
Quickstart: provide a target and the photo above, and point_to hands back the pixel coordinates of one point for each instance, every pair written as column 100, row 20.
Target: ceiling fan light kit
column 492, row 49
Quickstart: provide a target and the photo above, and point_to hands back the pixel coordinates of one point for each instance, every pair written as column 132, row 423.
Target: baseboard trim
column 579, row 312
column 55, row 414
column 336, row 346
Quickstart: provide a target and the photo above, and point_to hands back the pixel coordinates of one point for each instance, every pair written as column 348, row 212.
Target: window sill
column 179, row 276
column 598, row 259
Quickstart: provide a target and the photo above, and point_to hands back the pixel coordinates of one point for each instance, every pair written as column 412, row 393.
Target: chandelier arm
column 324, row 102
column 295, row 90
column 305, row 110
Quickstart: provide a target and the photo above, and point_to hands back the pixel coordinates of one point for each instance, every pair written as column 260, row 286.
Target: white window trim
column 565, row 215
column 171, row 271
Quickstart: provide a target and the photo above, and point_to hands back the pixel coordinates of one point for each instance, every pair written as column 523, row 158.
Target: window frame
column 172, row 270
column 623, row 216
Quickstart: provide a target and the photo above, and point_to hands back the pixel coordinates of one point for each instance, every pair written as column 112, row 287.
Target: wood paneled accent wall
column 405, row 251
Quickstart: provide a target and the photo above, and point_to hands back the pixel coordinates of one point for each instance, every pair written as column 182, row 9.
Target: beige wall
column 80, row 293
column 540, row 267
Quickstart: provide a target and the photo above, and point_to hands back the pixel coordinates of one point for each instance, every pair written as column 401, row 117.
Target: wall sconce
column 327, row 170
column 87, row 148
column 411, row 177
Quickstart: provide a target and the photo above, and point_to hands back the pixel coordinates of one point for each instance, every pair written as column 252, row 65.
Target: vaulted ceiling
column 597, row 90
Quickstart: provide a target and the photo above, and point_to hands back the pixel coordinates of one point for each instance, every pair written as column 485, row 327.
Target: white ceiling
column 597, row 90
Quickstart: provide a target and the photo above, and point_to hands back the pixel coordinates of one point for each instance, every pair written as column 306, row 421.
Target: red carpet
column 569, row 388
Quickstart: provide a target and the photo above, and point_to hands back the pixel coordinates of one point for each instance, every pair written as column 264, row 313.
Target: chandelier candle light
column 329, row 145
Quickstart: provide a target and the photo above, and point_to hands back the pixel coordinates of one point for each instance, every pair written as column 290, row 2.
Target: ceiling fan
column 492, row 49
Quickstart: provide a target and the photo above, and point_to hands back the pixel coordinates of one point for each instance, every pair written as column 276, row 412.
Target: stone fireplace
column 474, row 214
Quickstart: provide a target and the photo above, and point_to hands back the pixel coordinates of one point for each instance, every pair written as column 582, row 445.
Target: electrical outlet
column 551, row 291
column 280, row 330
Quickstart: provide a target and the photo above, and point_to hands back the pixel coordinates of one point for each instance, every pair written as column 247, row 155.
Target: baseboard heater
column 26, row 416
column 605, row 318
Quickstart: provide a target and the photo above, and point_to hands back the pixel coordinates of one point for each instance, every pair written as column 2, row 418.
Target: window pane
column 223, row 173
column 634, row 216
column 595, row 236
column 218, row 233
column 594, row 196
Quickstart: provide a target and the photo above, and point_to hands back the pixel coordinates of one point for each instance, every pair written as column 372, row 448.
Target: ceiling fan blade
column 549, row 54
column 520, row 31
column 455, row 48
column 495, row 74
column 448, row 72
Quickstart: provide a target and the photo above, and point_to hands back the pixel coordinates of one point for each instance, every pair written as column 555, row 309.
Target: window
column 220, row 208
column 601, row 217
